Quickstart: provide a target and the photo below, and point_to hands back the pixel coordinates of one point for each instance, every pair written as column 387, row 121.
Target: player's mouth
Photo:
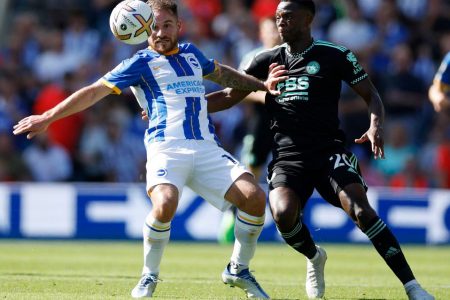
column 162, row 41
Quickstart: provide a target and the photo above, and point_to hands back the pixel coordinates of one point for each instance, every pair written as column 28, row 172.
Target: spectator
column 410, row 177
column 403, row 91
column 54, row 62
column 12, row 167
column 122, row 151
column 398, row 148
column 47, row 161
column 64, row 132
column 353, row 31
column 80, row 41
column 391, row 31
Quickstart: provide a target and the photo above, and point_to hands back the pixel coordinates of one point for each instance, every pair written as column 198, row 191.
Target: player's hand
column 144, row 115
column 276, row 73
column 33, row 124
column 376, row 137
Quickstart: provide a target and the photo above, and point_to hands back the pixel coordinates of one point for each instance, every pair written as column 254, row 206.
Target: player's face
column 292, row 21
column 166, row 28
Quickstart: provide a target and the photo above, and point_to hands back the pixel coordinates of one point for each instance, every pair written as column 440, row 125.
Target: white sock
column 247, row 229
column 410, row 284
column 156, row 236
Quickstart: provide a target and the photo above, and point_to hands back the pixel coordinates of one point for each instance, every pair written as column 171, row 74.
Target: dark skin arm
column 224, row 99
column 375, row 133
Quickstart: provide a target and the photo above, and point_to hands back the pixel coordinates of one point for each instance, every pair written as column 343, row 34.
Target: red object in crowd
column 402, row 181
column 204, row 10
column 264, row 9
column 443, row 164
column 66, row 131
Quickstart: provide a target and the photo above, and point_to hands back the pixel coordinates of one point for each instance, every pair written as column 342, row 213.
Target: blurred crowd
column 51, row 48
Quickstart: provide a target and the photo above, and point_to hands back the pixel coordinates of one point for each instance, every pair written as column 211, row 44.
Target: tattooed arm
column 229, row 77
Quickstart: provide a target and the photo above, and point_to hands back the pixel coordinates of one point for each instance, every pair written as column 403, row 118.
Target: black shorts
column 327, row 171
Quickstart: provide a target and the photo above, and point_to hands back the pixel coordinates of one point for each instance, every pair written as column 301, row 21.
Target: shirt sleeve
column 126, row 74
column 258, row 66
column 351, row 71
column 208, row 65
column 443, row 73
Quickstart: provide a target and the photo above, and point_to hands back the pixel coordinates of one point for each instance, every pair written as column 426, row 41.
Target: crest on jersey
column 193, row 62
column 312, row 67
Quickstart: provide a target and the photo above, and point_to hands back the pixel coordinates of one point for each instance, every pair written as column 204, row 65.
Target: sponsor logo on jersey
column 312, row 67
column 186, row 87
column 356, row 66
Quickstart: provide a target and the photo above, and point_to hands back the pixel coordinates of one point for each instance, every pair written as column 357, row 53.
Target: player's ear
column 309, row 18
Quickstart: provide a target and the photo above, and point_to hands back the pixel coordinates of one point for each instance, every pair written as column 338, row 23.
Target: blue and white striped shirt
column 170, row 88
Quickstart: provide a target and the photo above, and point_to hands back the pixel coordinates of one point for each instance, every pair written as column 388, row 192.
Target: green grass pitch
column 109, row 270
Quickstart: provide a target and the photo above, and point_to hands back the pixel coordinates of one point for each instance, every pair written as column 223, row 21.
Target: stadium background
column 85, row 178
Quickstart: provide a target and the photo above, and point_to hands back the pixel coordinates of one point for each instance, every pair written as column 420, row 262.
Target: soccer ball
column 131, row 21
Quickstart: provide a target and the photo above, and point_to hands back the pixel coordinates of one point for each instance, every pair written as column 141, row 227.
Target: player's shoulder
column 272, row 51
column 329, row 46
column 187, row 47
column 146, row 53
column 269, row 53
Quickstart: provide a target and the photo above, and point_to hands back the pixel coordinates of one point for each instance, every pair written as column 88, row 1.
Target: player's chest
column 306, row 78
column 174, row 76
column 168, row 69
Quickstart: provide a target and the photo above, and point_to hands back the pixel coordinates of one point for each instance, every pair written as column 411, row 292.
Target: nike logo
column 156, row 68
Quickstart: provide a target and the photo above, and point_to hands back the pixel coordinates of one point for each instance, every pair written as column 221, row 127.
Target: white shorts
column 201, row 165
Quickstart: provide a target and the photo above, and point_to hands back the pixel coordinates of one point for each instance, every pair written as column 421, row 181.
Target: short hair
column 170, row 5
column 309, row 5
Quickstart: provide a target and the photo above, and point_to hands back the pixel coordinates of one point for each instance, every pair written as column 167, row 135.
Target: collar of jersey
column 171, row 52
column 301, row 54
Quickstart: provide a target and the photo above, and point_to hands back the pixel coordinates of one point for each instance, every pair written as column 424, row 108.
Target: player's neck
column 300, row 45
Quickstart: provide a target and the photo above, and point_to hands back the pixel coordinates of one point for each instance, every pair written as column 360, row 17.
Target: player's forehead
column 163, row 15
column 287, row 7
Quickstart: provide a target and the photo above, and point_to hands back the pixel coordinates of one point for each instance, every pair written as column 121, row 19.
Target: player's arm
column 78, row 101
column 375, row 133
column 224, row 99
column 438, row 97
column 229, row 77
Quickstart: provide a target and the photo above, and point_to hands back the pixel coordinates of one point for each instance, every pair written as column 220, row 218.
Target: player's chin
column 163, row 47
column 285, row 38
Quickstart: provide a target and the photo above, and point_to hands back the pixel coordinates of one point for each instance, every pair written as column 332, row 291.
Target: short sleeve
column 208, row 65
column 126, row 74
column 351, row 71
column 259, row 65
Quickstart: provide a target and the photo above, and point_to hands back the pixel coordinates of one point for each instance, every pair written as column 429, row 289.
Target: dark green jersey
column 304, row 118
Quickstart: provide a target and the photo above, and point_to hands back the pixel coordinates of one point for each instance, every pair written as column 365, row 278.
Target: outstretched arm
column 375, row 133
column 226, row 98
column 78, row 101
column 229, row 77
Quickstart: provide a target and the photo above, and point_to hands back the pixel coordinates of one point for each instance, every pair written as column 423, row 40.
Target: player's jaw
column 164, row 45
